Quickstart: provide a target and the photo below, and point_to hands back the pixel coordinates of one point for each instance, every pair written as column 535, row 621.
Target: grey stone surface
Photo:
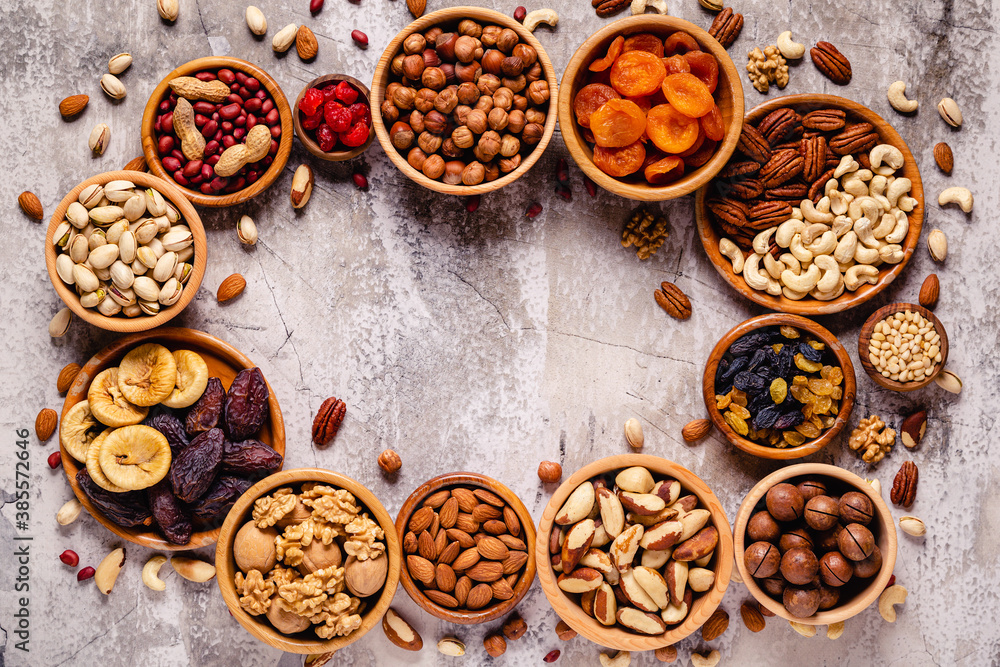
column 488, row 342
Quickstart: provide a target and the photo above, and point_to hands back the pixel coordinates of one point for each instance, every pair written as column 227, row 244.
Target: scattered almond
column 306, row 44
column 696, row 430
column 416, row 7
column 73, row 105
column 715, row 625
column 929, row 291
column 231, row 287
column 752, row 618
column 45, row 424
column 137, row 164
column 944, row 157
column 30, row 204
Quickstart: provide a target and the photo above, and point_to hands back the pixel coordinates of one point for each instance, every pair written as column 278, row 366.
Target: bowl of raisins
column 333, row 117
column 779, row 386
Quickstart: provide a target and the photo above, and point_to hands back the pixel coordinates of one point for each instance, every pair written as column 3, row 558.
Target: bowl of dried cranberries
column 650, row 107
column 333, row 117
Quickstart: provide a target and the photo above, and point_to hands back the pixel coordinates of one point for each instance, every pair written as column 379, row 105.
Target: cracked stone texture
column 488, row 342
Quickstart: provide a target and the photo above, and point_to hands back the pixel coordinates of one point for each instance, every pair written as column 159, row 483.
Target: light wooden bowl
column 864, row 338
column 364, row 95
column 729, row 100
column 280, row 103
column 468, row 479
column 120, row 323
column 886, row 543
column 225, row 565
column 224, row 361
column 803, row 104
column 778, row 319
column 453, row 15
column 614, row 637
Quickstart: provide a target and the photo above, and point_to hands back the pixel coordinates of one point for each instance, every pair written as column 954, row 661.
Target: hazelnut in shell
column 869, row 567
column 253, row 548
column 763, row 527
column 526, row 53
column 856, row 542
column 856, row 507
column 433, row 78
column 801, row 602
column 415, row 43
column 453, row 172
column 416, row 158
column 365, row 577
column 834, row 569
column 493, row 62
column 283, row 620
column 506, row 40
column 465, row 48
column 799, row 566
column 785, row 502
column 468, row 93
column 822, row 512
column 762, row 559
column 317, row 556
column 532, row 133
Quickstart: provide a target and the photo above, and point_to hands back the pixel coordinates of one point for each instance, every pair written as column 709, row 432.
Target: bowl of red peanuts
column 333, row 117
column 219, row 128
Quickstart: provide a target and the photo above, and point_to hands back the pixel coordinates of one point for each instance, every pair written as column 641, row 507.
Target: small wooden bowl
column 803, row 104
column 886, row 543
column 303, row 135
column 730, row 102
column 778, row 319
column 472, row 479
column 864, row 338
column 613, row 637
column 280, row 103
column 453, row 15
column 120, row 323
column 224, row 361
column 225, row 564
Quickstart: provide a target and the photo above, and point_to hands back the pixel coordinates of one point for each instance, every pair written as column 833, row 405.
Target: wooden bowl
column 453, row 15
column 280, row 103
column 778, row 319
column 809, row 306
column 303, row 135
column 225, row 564
column 886, row 543
column 468, row 479
column 615, row 637
column 224, row 361
column 120, row 323
column 729, row 100
column 864, row 338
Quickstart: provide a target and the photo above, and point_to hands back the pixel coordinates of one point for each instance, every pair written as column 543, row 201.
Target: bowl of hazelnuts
column 463, row 100
column 814, row 543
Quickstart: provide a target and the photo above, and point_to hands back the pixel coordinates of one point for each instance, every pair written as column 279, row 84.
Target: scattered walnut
column 268, row 510
column 870, row 440
column 766, row 67
column 255, row 593
column 365, row 539
column 646, row 232
column 332, row 505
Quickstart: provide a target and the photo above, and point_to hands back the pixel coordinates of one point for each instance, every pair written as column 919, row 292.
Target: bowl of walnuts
column 464, row 100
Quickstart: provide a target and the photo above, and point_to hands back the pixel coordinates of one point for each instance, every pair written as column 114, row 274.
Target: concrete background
column 488, row 342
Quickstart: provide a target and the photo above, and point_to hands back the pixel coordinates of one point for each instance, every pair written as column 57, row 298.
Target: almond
column 73, row 105
column 484, row 512
column 421, row 569
column 502, row 590
column 421, row 519
column 752, row 618
column 306, row 44
column 944, row 157
column 450, row 552
column 449, row 513
column 231, row 287
column 30, row 204
column 440, row 541
column 929, row 291
column 467, row 500
column 488, row 497
column 491, row 548
column 696, row 430
column 410, row 543
column 440, row 598
column 467, row 523
column 437, row 500
column 137, row 164
column 715, row 625
column 425, row 546
column 466, row 559
column 514, row 562
column 45, row 424
column 445, row 578
column 416, row 7
column 510, row 518
column 485, row 571
column 512, row 542
column 462, row 589
column 479, row 596
column 463, row 538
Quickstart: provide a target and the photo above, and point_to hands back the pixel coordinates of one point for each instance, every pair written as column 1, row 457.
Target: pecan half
column 610, row 7
column 825, row 120
column 328, row 419
column 904, row 486
column 744, row 169
column 753, row 144
column 815, row 192
column 783, row 166
column 780, row 125
column 794, row 192
column 742, row 188
column 730, row 211
column 855, row 139
column 814, row 155
column 673, row 300
column 769, row 213
column 831, row 63
column 726, row 27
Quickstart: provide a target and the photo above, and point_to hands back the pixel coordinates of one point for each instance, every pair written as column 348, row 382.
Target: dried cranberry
column 360, row 113
column 325, row 138
column 311, row 101
column 357, row 135
column 346, row 93
column 313, row 121
column 337, row 117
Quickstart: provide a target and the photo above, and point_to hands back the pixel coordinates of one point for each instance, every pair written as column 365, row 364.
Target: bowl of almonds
column 635, row 553
column 466, row 541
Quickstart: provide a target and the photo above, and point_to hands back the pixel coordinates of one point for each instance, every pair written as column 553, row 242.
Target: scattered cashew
column 846, row 166
column 800, row 251
column 900, row 230
column 897, row 98
column 891, row 253
column 846, row 247
column 752, row 273
column 860, row 274
column 803, row 629
column 710, row 660
column 835, row 630
column 789, row 49
column 762, row 242
column 151, row 572
column 883, row 202
column 640, row 6
column 956, row 195
column 620, row 659
column 889, row 599
column 786, row 231
column 813, row 231
column 729, row 249
column 534, row 19
column 802, row 282
column 824, row 245
column 773, row 266
column 831, row 278
column 901, row 186
column 864, row 207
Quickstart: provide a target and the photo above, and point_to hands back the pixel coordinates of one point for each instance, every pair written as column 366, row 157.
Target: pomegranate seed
column 55, row 460
column 359, row 37
column 520, row 13
column 360, row 181
column 315, row 6
column 563, row 191
column 551, row 656
column 85, row 573
column 562, row 170
column 70, row 558
column 591, row 186
column 892, row 580
column 533, row 210
column 472, row 203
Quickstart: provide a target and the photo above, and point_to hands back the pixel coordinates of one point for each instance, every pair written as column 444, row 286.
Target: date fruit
column 204, row 415
column 250, row 457
column 125, row 509
column 245, row 407
column 170, row 515
column 194, row 468
column 221, row 496
column 172, row 428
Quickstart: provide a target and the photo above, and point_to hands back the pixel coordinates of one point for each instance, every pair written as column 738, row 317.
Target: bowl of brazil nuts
column 651, row 568
column 466, row 541
column 913, row 331
column 815, row 544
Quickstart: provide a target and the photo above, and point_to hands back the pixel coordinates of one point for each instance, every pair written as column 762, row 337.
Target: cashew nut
column 859, row 275
column 901, row 186
column 796, row 213
column 897, row 98
column 729, row 249
column 791, row 262
column 786, row 230
column 752, row 273
column 839, row 201
column 846, row 265
column 802, row 282
column 906, row 203
column 810, row 213
column 773, row 266
column 789, row 49
column 831, row 185
column 151, row 572
column 813, row 231
column 831, row 273
column 882, row 202
column 823, row 205
column 793, row 295
column 762, row 242
column 891, row 253
column 884, row 170
column 854, row 185
column 888, row 154
column 842, row 224
column 710, row 660
column 803, row 629
column 956, row 195
column 878, row 185
column 845, row 247
column 773, row 287
column 620, row 659
column 846, row 166
column 864, row 207
column 885, row 225
column 889, row 599
column 534, row 19
column 829, row 295
column 824, row 245
column 640, row 6
column 797, row 249
column 898, row 232
column 865, row 255
column 863, row 228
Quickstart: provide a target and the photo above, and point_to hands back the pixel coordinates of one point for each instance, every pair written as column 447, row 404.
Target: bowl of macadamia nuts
column 464, row 100
column 814, row 543
column 308, row 561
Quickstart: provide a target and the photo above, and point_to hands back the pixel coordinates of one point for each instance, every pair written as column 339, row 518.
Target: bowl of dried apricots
column 650, row 107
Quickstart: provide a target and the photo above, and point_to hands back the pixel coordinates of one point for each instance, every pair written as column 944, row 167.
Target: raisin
column 758, row 358
column 219, row 498
column 747, row 381
column 591, row 98
column 125, row 509
column 804, row 364
column 737, row 365
column 749, row 343
column 245, row 407
column 170, row 515
column 194, row 468
column 204, row 415
column 789, row 420
column 766, row 417
column 249, row 457
column 778, row 390
column 736, row 422
column 171, row 427
column 810, row 353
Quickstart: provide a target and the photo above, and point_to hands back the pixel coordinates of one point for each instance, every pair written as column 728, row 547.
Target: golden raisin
column 837, row 393
column 817, row 345
column 779, row 390
column 823, row 405
column 793, row 438
column 808, row 429
column 739, row 397
column 789, row 332
column 722, row 402
column 820, row 387
column 737, row 424
column 804, row 364
column 740, row 411
column 777, row 347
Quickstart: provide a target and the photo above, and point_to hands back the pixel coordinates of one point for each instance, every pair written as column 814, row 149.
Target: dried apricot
column 644, row 42
column 614, row 50
column 713, row 125
column 677, row 65
column 695, row 146
column 701, row 156
column 620, row 162
column 687, row 94
column 591, row 98
column 664, row 170
column 637, row 73
column 617, row 123
column 643, row 103
column 671, row 131
column 680, row 42
column 705, row 67
column 600, row 77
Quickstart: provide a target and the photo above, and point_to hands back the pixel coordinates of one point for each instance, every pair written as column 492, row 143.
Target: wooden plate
column 224, row 361
column 809, row 306
column 614, row 637
column 886, row 543
column 453, row 15
column 121, row 323
column 226, row 568
column 729, row 100
column 364, row 95
column 472, row 479
column 280, row 103
column 864, row 338
column 778, row 319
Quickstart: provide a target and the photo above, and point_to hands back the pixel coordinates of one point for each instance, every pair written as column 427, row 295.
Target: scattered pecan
column 753, row 144
column 904, row 486
column 831, row 63
column 825, row 120
column 783, row 166
column 780, row 125
column 729, row 211
column 814, row 155
column 855, row 139
column 328, row 420
column 673, row 300
column 609, row 7
column 726, row 27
